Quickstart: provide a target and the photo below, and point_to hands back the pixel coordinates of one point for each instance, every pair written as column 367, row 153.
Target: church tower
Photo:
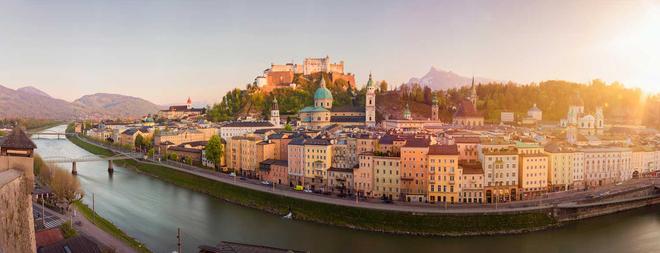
column 473, row 94
column 370, row 103
column 434, row 109
column 189, row 104
column 275, row 114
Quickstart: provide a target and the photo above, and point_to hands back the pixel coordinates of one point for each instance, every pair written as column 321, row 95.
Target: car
column 232, row 174
column 265, row 182
column 299, row 188
column 242, row 178
column 307, row 191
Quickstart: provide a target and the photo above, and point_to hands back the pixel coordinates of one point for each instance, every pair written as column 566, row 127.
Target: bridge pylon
column 74, row 171
column 111, row 168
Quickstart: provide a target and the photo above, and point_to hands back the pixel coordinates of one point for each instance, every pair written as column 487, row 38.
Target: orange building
column 414, row 169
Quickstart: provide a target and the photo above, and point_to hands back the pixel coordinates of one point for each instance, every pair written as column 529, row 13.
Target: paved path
column 86, row 227
column 517, row 206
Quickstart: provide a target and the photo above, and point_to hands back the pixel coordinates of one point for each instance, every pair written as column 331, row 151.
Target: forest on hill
column 251, row 101
column 621, row 105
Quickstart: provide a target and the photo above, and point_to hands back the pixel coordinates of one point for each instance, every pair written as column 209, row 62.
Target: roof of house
column 249, row 124
column 347, row 118
column 466, row 109
column 471, row 168
column 443, row 150
column 17, row 138
column 78, row 244
column 417, row 143
column 467, row 139
column 48, row 236
column 314, row 109
column 319, row 142
column 234, row 247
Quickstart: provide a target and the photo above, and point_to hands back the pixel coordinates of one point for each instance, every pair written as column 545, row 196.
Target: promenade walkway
column 86, row 227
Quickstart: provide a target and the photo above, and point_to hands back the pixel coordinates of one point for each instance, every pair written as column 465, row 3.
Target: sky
column 166, row 51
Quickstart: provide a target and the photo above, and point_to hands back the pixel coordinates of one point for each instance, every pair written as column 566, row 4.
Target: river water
column 151, row 211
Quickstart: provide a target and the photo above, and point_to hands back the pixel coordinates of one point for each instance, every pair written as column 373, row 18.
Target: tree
column 188, row 160
column 383, row 86
column 139, row 141
column 214, row 150
column 288, row 127
column 174, row 157
column 66, row 187
column 151, row 152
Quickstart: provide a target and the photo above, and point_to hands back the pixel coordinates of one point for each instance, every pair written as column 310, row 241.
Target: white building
column 607, row 165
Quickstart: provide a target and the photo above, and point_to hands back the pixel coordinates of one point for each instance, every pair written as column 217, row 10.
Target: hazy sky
column 165, row 51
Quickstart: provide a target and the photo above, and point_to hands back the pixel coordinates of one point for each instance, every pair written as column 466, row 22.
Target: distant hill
column 438, row 79
column 118, row 105
column 30, row 102
column 32, row 90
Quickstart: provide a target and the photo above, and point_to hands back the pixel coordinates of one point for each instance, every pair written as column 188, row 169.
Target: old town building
column 472, row 189
column 386, row 177
column 444, row 174
column 414, row 173
column 532, row 170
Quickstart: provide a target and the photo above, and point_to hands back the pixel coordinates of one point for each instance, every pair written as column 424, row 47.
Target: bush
column 68, row 230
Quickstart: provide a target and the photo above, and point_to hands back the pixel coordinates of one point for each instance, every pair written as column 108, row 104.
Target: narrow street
column 83, row 226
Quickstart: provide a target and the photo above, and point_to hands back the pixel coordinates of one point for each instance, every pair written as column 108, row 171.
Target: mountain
column 439, row 79
column 30, row 102
column 33, row 91
column 118, row 105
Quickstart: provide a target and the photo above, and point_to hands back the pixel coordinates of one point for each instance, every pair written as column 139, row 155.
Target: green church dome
column 322, row 92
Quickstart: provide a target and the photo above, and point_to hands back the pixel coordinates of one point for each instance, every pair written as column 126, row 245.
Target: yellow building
column 318, row 159
column 561, row 162
column 242, row 154
column 386, row 177
column 444, row 174
column 532, row 170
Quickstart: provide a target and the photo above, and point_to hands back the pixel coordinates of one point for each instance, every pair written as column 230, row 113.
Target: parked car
column 242, row 178
column 307, row 191
column 265, row 182
column 299, row 188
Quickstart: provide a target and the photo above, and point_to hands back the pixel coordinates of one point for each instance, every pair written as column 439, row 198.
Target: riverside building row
column 433, row 168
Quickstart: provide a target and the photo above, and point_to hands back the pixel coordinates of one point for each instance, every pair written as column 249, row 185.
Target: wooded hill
column 621, row 105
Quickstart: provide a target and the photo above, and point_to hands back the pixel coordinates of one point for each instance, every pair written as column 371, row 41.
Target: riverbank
column 351, row 217
column 109, row 228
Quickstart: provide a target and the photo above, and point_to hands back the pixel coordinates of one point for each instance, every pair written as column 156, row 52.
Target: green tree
column 288, row 127
column 214, row 150
column 139, row 141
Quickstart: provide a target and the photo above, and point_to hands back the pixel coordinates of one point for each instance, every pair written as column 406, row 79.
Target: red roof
column 48, row 237
column 467, row 109
column 443, row 150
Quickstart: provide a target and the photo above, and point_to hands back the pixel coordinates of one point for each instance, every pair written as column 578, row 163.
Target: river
column 151, row 210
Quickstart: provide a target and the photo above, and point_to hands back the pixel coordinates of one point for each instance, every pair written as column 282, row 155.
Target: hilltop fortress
column 281, row 75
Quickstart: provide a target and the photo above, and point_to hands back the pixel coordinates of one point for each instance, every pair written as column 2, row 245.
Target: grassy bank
column 110, row 228
column 89, row 147
column 357, row 218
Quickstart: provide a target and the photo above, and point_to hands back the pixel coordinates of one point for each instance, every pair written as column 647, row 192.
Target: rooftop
column 249, row 124
column 18, row 139
column 443, row 150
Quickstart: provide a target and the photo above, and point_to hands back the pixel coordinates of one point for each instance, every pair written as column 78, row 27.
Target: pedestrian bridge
column 87, row 158
column 40, row 134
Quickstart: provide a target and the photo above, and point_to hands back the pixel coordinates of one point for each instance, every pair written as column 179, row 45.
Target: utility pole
column 178, row 240
column 93, row 210
column 43, row 211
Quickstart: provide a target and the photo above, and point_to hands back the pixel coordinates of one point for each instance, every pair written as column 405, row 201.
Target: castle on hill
column 282, row 75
